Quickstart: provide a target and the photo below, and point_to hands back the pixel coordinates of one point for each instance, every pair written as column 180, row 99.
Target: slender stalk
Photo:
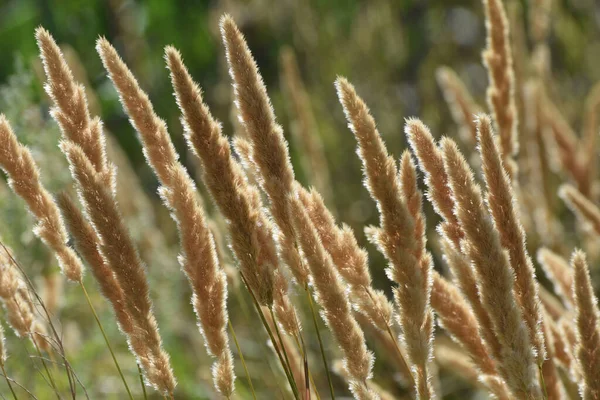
column 71, row 376
column 396, row 346
column 285, row 365
column 51, row 379
column 266, row 325
column 55, row 364
column 243, row 304
column 542, row 382
column 89, row 301
column 239, row 349
column 307, row 375
column 393, row 338
column 246, row 312
column 61, row 351
column 305, row 356
column 287, row 360
column 23, row 388
column 8, row 381
column 314, row 317
column 141, row 375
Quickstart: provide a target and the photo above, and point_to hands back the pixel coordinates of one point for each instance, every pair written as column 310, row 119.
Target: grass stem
column 270, row 333
column 239, row 349
column 302, row 347
column 400, row 355
column 50, row 378
column 89, row 301
column 281, row 344
column 542, row 381
column 141, row 374
column 8, row 381
column 314, row 317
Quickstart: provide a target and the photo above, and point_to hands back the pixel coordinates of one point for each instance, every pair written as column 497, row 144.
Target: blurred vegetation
column 389, row 49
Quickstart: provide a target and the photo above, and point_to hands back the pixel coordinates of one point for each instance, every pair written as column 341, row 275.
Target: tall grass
column 502, row 327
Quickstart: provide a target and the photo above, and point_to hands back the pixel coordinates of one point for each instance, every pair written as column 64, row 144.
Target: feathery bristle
column 350, row 260
column 17, row 299
column 431, row 164
column 497, row 58
column 331, row 295
column 553, row 385
column 466, row 279
column 199, row 258
column 502, row 205
column 439, row 194
column 88, row 244
column 71, row 107
column 400, row 237
column 562, row 353
column 121, row 254
column 494, row 275
column 557, row 269
column 17, row 305
column 361, row 391
column 461, row 104
column 587, row 212
column 271, row 153
column 251, row 233
column 588, row 333
column 24, row 178
column 455, row 316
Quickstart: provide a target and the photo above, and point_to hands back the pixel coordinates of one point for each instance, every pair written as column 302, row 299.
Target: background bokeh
column 390, row 49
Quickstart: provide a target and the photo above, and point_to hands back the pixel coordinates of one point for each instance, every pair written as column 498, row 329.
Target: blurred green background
column 389, row 49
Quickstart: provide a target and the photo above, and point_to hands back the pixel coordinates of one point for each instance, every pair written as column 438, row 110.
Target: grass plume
column 498, row 60
column 410, row 264
column 588, row 333
column 121, row 254
column 336, row 309
column 24, row 178
column 501, row 202
column 199, row 258
column 271, row 153
column 494, row 276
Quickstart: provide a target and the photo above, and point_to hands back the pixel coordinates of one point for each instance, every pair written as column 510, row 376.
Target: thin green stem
column 542, row 381
column 89, row 301
column 392, row 337
column 50, row 378
column 71, row 376
column 23, row 388
column 239, row 349
column 141, row 374
column 286, row 369
column 246, row 313
column 400, row 355
column 314, row 317
column 300, row 344
column 8, row 381
column 266, row 325
column 243, row 304
column 282, row 345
